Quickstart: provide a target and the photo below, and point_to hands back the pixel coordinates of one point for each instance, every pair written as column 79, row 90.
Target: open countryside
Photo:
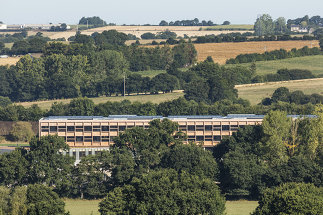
column 256, row 92
column 220, row 52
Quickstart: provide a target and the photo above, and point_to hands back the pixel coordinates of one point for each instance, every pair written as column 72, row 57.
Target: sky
column 151, row 11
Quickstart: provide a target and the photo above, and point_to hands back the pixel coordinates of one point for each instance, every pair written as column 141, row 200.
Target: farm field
column 87, row 207
column 217, row 27
column 256, row 92
column 133, row 98
column 220, row 52
column 9, row 61
column 312, row 63
column 150, row 73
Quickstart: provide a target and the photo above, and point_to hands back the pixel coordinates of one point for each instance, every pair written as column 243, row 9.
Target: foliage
column 95, row 20
column 4, row 101
column 21, row 131
column 291, row 198
column 193, row 22
column 165, row 192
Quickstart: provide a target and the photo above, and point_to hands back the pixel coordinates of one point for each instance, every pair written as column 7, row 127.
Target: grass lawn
column 312, row 63
column 87, row 207
column 256, row 92
column 4, row 142
column 150, row 73
column 133, row 98
column 241, row 207
column 82, row 207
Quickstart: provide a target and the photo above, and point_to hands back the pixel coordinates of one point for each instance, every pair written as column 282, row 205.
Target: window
column 234, row 127
column 114, row 128
column 182, row 128
column 79, row 138
column 70, row 128
column 122, row 128
column 79, row 128
column 225, row 127
column 105, row 128
column 70, row 139
column 105, row 138
column 61, row 128
column 87, row 128
column 208, row 138
column 191, row 128
column 44, row 128
column 199, row 138
column 96, row 139
column 216, row 127
column 97, row 128
column 87, row 139
column 217, row 138
column 242, row 126
column 200, row 128
column 191, row 138
column 208, row 128
column 53, row 128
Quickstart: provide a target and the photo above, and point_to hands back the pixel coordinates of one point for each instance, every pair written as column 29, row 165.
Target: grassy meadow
column 150, row 73
column 256, row 92
column 133, row 98
column 90, row 207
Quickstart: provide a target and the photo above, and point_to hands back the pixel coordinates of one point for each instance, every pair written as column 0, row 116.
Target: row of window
column 110, row 138
column 54, row 129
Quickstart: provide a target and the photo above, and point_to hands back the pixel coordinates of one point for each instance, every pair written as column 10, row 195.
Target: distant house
column 298, row 28
column 3, row 26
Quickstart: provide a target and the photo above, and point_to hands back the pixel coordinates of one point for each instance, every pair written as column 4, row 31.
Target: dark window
column 79, row 138
column 191, row 127
column 200, row 128
column 87, row 128
column 199, row 138
column 122, row 128
column 61, row 128
column 105, row 128
column 44, row 128
column 242, row 126
column 53, row 128
column 217, row 138
column 208, row 128
column 182, row 128
column 208, row 138
column 146, row 126
column 234, row 127
column 114, row 128
column 70, row 139
column 79, row 128
column 105, row 138
column 87, row 139
column 225, row 127
column 216, row 127
column 97, row 128
column 82, row 154
column 96, row 139
column 70, row 128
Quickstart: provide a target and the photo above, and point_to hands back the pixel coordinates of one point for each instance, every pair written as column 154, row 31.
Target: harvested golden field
column 9, row 61
column 223, row 51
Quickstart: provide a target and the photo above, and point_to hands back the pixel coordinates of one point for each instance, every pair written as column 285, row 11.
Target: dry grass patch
column 256, row 92
column 9, row 61
column 223, row 51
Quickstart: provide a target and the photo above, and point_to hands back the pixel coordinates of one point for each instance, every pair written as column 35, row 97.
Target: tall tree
column 264, row 25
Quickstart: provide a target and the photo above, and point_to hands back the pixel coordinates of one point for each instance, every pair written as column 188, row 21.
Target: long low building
column 88, row 134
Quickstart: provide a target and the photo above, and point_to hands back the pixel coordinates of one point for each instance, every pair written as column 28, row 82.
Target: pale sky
column 151, row 11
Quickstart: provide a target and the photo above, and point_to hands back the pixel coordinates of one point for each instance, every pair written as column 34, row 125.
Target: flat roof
column 184, row 117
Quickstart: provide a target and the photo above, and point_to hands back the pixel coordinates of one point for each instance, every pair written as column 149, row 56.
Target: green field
column 256, row 92
column 312, row 63
column 225, row 27
column 133, row 98
column 88, row 207
column 150, row 73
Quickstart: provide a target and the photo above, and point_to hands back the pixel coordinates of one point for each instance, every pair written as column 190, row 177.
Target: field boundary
column 276, row 82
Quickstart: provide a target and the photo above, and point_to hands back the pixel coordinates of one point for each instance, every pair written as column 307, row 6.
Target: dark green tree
column 81, row 107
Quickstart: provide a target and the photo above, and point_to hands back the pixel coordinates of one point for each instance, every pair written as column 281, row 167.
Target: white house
column 298, row 28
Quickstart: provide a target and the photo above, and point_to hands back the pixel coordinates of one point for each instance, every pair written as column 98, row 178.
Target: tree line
column 193, row 22
column 275, row 55
column 152, row 171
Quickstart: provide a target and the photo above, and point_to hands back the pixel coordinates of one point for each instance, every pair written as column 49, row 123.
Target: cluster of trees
column 265, row 25
column 161, row 35
column 62, row 27
column 280, row 150
column 297, row 97
column 284, row 75
column 94, row 21
column 31, row 199
column 306, row 21
column 193, row 22
column 274, row 55
column 152, row 171
column 238, row 37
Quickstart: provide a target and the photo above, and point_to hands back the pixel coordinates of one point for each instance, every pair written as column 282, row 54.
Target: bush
column 21, row 131
column 291, row 198
column 4, row 101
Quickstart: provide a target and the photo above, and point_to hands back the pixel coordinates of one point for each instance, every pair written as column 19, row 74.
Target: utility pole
column 124, row 86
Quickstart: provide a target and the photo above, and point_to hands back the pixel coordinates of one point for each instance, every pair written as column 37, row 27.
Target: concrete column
column 71, row 152
column 77, row 154
column 86, row 152
column 93, row 151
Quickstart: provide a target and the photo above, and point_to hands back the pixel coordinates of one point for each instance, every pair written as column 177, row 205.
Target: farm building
column 298, row 28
